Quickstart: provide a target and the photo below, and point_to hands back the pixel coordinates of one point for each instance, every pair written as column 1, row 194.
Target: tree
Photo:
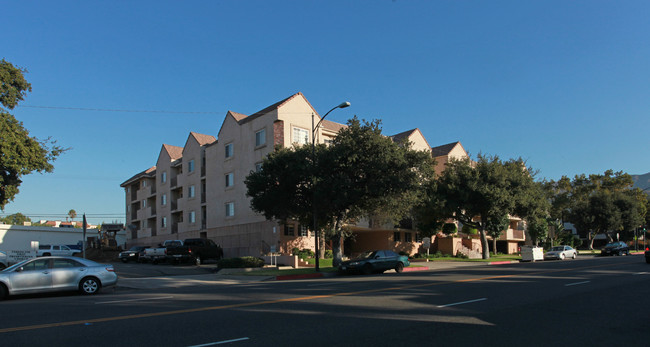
column 20, row 154
column 72, row 214
column 15, row 219
column 537, row 229
column 495, row 226
column 600, row 203
column 361, row 173
column 482, row 193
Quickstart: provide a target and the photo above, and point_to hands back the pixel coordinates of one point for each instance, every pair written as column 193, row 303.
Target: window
column 144, row 184
column 163, row 177
column 230, row 209
column 229, row 150
column 289, row 230
column 163, row 222
column 418, row 237
column 144, row 203
column 300, row 136
column 191, row 191
column 304, row 231
column 407, row 237
column 190, row 166
column 258, row 167
column 192, row 217
column 230, row 178
column 163, row 199
column 396, row 236
column 260, row 138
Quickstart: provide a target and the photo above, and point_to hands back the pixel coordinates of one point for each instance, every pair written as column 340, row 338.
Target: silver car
column 48, row 274
column 561, row 252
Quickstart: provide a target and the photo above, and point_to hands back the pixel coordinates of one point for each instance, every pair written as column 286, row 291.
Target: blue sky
column 562, row 84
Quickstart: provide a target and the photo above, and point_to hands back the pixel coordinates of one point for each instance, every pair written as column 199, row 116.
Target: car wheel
column 89, row 286
column 197, row 260
column 3, row 291
column 575, row 255
column 399, row 268
column 367, row 269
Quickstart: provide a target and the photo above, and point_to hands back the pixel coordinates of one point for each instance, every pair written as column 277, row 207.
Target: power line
column 115, row 110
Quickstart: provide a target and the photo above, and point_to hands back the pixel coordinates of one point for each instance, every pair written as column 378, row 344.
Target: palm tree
column 72, row 214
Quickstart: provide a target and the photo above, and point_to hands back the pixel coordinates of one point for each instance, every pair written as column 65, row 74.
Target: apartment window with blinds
column 191, row 192
column 230, row 209
column 300, row 136
column 190, row 166
column 163, row 199
column 397, row 236
column 260, row 138
column 229, row 150
column 192, row 217
column 230, row 179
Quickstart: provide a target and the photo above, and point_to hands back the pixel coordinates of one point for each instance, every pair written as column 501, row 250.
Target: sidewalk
column 229, row 276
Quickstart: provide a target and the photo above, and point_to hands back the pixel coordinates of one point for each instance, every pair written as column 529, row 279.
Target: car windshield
column 557, row 248
column 613, row 244
column 366, row 255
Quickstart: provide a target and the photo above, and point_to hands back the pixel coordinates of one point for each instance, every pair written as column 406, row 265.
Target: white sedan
column 561, row 252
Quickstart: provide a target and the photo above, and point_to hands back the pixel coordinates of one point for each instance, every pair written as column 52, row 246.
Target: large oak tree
column 20, row 154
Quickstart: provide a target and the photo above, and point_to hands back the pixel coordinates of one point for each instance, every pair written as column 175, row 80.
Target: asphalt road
column 588, row 301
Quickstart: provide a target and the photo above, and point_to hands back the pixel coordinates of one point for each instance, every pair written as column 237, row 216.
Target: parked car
column 158, row 254
column 59, row 250
column 375, row 262
column 647, row 255
column 561, row 252
column 48, row 274
column 615, row 248
column 132, row 254
column 195, row 250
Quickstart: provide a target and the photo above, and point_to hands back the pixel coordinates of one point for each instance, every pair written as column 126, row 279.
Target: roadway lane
column 530, row 303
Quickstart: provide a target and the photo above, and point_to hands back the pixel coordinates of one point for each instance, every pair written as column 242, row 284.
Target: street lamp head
column 344, row 104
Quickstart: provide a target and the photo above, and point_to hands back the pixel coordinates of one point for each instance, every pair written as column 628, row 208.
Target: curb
column 416, row 268
column 503, row 262
column 298, row 277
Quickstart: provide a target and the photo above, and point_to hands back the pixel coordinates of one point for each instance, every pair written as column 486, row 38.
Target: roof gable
column 445, row 149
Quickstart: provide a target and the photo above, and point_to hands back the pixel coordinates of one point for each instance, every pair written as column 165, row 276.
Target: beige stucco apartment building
column 198, row 190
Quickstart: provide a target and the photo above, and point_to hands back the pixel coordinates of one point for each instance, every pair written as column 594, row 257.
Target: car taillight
column 189, row 250
column 110, row 269
column 647, row 248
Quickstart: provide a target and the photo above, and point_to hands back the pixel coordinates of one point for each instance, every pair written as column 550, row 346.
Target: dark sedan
column 616, row 248
column 375, row 262
column 132, row 254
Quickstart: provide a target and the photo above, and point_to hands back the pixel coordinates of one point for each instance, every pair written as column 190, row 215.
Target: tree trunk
column 321, row 245
column 484, row 243
column 336, row 250
column 494, row 245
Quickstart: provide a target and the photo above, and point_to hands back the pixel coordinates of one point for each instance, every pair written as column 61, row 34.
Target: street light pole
column 313, row 178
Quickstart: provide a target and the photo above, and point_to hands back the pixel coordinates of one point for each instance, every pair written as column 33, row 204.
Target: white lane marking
column 220, row 342
column 575, row 284
column 463, row 302
column 130, row 300
column 325, row 284
column 640, row 273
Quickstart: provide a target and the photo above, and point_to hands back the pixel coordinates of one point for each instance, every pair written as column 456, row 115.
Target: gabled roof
column 403, row 135
column 150, row 172
column 242, row 118
column 332, row 126
column 174, row 152
column 444, row 149
column 203, row 139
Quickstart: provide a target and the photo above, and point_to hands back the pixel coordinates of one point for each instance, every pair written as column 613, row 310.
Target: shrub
column 242, row 262
column 469, row 230
column 329, row 254
column 449, row 228
column 303, row 254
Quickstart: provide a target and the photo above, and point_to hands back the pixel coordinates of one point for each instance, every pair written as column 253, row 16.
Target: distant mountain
column 642, row 182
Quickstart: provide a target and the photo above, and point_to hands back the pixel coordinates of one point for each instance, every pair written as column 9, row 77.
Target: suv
column 61, row 250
